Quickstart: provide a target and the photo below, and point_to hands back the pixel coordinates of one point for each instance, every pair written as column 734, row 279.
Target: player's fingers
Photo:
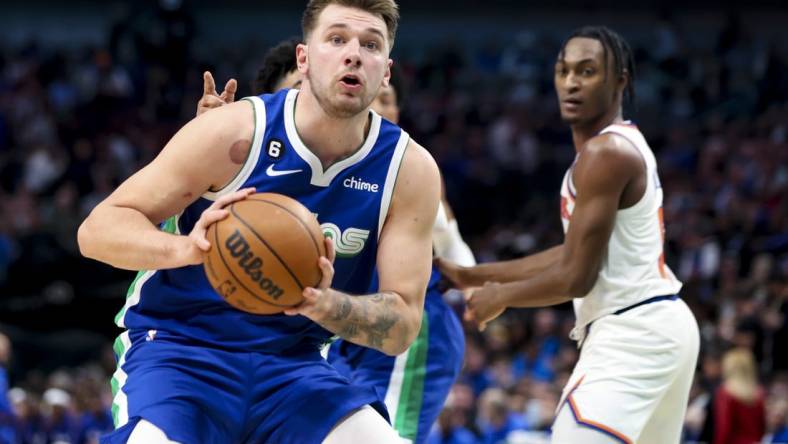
column 211, row 102
column 328, row 272
column 331, row 253
column 468, row 315
column 232, row 197
column 208, row 84
column 212, row 216
column 228, row 95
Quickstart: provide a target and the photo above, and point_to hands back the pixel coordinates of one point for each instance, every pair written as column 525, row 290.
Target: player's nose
column 353, row 53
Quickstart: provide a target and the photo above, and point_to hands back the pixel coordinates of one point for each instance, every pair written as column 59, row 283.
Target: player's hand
column 198, row 243
column 457, row 275
column 318, row 303
column 482, row 305
column 210, row 98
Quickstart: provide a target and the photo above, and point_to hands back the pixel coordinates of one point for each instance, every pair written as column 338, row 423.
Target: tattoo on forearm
column 371, row 316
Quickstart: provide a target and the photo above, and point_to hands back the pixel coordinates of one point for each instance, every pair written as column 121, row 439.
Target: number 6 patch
column 275, row 149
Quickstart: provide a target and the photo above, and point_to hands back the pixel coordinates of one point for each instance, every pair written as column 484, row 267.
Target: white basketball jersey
column 633, row 266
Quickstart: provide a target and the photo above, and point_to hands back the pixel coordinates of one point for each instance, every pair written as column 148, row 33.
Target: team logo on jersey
column 347, row 243
column 359, row 184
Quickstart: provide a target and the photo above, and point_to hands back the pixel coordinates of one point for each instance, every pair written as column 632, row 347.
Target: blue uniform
column 203, row 371
column 416, row 383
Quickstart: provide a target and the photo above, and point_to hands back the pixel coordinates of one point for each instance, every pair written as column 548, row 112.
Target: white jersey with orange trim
column 633, row 267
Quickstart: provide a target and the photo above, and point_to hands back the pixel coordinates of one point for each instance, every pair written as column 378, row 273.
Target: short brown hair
column 385, row 9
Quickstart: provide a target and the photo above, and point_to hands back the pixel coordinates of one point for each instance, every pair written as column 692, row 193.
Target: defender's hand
column 482, row 304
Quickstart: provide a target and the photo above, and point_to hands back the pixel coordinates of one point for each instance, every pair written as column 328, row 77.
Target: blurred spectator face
column 585, row 85
column 544, row 322
column 712, row 369
column 776, row 414
column 493, row 409
column 344, row 61
column 475, row 361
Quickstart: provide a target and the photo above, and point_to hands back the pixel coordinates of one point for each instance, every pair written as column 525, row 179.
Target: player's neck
column 583, row 132
column 331, row 139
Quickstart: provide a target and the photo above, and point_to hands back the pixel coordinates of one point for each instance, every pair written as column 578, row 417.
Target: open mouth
column 350, row 80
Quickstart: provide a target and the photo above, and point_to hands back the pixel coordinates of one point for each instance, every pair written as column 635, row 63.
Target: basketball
column 264, row 253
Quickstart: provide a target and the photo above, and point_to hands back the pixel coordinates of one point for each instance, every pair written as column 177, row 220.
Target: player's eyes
column 371, row 45
column 337, row 40
column 588, row 72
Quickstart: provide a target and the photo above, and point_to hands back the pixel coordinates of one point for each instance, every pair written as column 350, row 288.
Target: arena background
column 90, row 91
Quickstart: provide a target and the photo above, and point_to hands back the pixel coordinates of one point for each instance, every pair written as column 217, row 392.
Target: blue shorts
column 416, row 383
column 208, row 395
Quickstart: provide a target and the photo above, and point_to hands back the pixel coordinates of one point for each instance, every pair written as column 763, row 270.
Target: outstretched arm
column 390, row 319
column 603, row 171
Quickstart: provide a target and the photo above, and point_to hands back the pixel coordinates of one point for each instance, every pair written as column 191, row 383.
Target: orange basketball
column 264, row 253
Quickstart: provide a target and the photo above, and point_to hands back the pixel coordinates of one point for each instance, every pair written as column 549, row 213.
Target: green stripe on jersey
column 412, row 394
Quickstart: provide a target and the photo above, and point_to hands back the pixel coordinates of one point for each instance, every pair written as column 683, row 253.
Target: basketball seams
column 301, row 222
column 267, row 245
column 237, row 279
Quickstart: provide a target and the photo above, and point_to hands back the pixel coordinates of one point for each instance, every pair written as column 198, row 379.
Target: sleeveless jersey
column 633, row 267
column 350, row 198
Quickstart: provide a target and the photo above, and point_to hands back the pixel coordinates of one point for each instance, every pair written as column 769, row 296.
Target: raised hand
column 210, row 98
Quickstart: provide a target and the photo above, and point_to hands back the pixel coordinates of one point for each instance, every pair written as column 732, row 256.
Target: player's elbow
column 409, row 331
column 85, row 238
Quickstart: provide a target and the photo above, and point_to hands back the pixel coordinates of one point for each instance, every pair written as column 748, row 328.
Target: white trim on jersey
column 320, row 177
column 394, row 389
column 391, row 178
column 254, row 153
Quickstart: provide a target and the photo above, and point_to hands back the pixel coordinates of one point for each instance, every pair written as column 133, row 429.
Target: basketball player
column 432, row 363
column 639, row 340
column 193, row 369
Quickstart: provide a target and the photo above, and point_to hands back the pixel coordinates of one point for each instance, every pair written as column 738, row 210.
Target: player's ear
column 623, row 81
column 387, row 74
column 302, row 61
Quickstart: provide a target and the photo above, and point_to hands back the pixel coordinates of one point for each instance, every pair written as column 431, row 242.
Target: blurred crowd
column 76, row 121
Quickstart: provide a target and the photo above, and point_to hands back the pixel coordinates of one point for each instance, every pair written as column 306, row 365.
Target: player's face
column 291, row 80
column 385, row 104
column 346, row 59
column 585, row 86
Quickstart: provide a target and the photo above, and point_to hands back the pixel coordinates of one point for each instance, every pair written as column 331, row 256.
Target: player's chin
column 571, row 118
column 347, row 106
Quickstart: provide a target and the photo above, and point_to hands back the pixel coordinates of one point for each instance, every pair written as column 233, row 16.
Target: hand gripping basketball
column 317, row 303
column 211, row 215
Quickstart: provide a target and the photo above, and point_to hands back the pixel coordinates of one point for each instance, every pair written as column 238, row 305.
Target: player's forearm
column 513, row 270
column 382, row 321
column 557, row 284
column 125, row 238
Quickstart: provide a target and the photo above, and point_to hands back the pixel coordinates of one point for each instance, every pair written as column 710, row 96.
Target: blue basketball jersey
column 350, row 198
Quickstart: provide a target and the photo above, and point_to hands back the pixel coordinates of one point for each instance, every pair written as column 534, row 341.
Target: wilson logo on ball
column 238, row 247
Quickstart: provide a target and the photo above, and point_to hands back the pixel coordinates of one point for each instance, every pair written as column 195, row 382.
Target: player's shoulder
column 612, row 149
column 418, row 161
column 233, row 118
column 418, row 180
